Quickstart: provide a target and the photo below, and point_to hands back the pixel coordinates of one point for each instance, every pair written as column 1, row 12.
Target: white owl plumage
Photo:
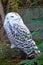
column 16, row 31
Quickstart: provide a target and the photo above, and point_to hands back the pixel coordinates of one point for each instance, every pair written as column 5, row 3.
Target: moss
column 7, row 52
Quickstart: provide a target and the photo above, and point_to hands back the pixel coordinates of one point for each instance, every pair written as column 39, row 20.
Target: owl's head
column 13, row 18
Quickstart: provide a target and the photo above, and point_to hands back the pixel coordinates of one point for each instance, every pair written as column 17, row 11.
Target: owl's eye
column 12, row 16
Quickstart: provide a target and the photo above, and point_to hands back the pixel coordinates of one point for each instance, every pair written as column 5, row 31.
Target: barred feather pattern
column 18, row 38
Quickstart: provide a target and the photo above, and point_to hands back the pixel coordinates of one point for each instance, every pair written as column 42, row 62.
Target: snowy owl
column 17, row 32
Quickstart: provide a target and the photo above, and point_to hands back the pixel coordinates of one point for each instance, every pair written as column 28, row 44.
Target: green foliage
column 38, row 60
column 35, row 2
column 7, row 62
column 38, row 40
column 4, row 50
column 8, row 53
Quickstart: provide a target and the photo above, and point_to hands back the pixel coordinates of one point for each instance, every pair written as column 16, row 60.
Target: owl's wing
column 24, row 41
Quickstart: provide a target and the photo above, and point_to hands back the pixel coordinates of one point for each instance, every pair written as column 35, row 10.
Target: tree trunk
column 1, row 12
column 3, row 37
column 4, row 3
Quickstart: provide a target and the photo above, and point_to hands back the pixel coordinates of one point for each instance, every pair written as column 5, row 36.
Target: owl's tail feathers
column 35, row 48
column 33, row 51
column 33, row 54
